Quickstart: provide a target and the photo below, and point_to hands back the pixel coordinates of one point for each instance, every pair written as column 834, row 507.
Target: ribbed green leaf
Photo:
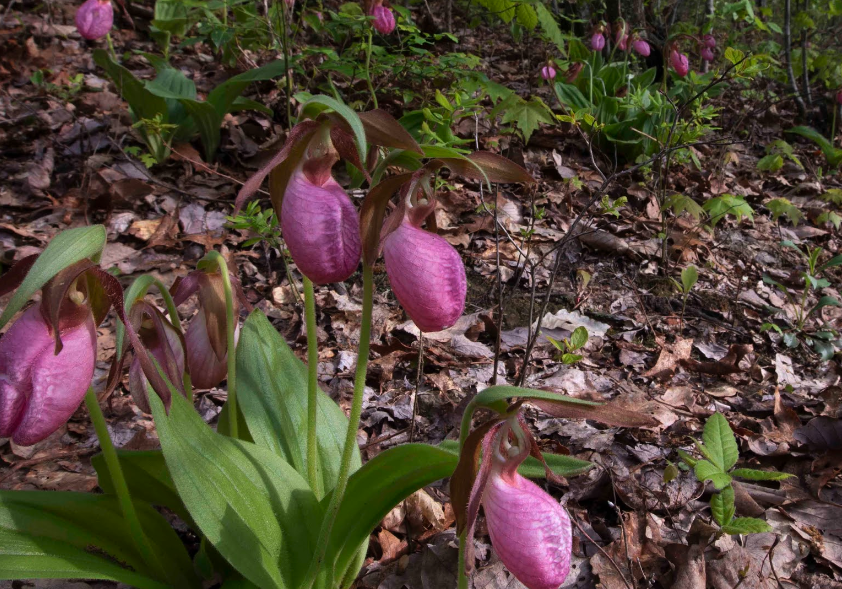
column 722, row 506
column 720, row 442
column 760, row 475
column 272, row 393
column 252, row 506
column 64, row 523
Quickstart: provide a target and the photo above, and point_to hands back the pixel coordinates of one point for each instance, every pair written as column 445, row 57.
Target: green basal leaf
column 147, row 478
column 383, row 482
column 253, row 507
column 61, row 528
column 689, row 277
column 65, row 249
column 720, row 442
column 272, row 394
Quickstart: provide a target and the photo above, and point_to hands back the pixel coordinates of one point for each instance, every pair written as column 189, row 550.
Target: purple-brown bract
column 427, row 276
column 40, row 390
column 321, row 229
column 94, row 19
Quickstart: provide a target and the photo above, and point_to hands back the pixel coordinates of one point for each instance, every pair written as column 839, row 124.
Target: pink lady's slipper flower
column 621, row 38
column 679, row 63
column 426, row 274
column 384, row 20
column 94, row 19
column 641, row 47
column 39, row 389
column 709, row 41
column 707, row 54
column 207, row 337
column 164, row 343
column 548, row 72
column 320, row 227
column 597, row 42
column 529, row 530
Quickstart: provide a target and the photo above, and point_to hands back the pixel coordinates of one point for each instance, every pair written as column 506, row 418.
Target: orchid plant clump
column 277, row 494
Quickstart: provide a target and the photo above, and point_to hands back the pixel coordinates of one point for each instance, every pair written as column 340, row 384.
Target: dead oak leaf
column 671, row 356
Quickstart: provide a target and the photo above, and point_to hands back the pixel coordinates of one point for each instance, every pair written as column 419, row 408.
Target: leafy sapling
column 689, row 277
column 720, row 454
column 568, row 347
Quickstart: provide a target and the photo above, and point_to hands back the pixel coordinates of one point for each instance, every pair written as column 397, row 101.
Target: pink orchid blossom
column 39, row 389
column 384, row 20
column 679, row 63
column 94, row 19
column 321, row 227
column 709, row 41
column 548, row 72
column 597, row 42
column 707, row 54
column 641, row 47
column 427, row 276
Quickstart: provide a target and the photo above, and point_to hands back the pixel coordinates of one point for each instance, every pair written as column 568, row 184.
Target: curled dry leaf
column 729, row 364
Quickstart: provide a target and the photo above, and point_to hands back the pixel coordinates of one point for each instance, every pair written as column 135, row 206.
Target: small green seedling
column 689, row 278
column 720, row 451
column 826, row 340
column 577, row 341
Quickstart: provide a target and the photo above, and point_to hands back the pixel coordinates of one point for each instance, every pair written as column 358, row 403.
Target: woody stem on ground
column 230, row 327
column 118, row 480
column 351, row 435
column 312, row 388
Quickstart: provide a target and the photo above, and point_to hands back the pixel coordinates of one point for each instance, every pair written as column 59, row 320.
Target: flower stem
column 312, row 389
column 368, row 68
column 351, row 435
column 118, row 480
column 230, row 328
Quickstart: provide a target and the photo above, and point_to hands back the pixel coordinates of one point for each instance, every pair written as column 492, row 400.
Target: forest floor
column 63, row 163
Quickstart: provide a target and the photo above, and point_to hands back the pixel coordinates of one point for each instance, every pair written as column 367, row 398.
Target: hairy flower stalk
column 39, row 389
column 94, row 19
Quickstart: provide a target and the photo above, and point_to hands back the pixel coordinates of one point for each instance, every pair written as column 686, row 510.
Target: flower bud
column 321, row 228
column 709, row 41
column 597, row 42
column 207, row 369
column 548, row 72
column 384, row 20
column 573, row 72
column 529, row 530
column 427, row 276
column 168, row 352
column 94, row 19
column 679, row 63
column 641, row 47
column 707, row 54
column 39, row 389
